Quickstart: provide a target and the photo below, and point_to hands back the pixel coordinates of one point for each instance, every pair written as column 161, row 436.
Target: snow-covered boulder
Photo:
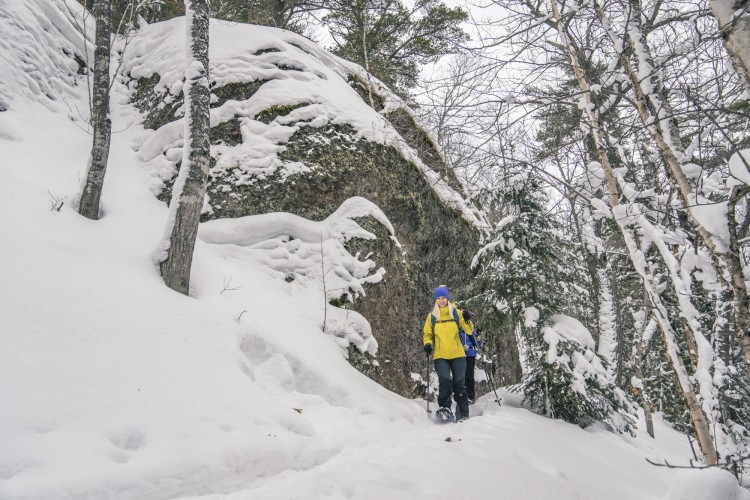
column 293, row 131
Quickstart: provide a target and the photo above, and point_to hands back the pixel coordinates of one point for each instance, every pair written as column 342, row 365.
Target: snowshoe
column 462, row 418
column 444, row 414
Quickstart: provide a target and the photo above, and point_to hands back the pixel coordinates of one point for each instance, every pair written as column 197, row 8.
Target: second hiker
column 472, row 343
column 442, row 339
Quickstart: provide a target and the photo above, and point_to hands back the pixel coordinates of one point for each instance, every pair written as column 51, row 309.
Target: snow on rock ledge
column 312, row 254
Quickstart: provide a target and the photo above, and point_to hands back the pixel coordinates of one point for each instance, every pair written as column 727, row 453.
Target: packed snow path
column 503, row 452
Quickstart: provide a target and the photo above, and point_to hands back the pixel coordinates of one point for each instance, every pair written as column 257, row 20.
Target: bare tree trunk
column 190, row 187
column 623, row 218
column 367, row 60
column 647, row 331
column 100, row 121
column 736, row 34
column 609, row 346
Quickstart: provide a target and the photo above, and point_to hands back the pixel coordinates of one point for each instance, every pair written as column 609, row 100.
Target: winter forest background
column 576, row 172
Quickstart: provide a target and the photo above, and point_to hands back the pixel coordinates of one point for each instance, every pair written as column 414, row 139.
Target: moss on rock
column 361, row 88
column 227, row 133
column 158, row 107
column 420, row 141
column 270, row 114
column 240, row 91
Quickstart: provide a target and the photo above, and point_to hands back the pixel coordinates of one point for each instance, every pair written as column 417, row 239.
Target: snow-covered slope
column 113, row 386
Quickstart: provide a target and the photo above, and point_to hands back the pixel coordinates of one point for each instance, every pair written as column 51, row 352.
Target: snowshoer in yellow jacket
column 442, row 339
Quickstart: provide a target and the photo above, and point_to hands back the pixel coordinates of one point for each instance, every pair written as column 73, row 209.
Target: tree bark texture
column 190, row 187
column 641, row 346
column 100, row 121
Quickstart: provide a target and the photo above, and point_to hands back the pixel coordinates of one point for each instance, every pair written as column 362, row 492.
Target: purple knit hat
column 442, row 291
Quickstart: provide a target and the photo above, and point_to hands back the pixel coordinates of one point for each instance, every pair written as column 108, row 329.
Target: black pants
column 470, row 363
column 456, row 383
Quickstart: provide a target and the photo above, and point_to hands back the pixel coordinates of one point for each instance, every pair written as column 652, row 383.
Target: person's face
column 442, row 301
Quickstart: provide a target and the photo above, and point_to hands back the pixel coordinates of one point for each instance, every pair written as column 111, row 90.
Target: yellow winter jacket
column 446, row 341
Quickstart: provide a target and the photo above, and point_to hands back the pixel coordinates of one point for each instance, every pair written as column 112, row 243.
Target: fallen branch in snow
column 240, row 316
column 56, row 202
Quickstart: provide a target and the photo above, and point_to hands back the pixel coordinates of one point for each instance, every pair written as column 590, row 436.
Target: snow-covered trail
column 502, row 452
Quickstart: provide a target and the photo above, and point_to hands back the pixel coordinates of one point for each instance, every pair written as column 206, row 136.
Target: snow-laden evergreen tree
column 286, row 14
column 568, row 380
column 733, row 384
column 530, row 274
column 126, row 14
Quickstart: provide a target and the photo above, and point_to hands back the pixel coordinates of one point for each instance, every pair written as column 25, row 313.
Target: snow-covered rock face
column 292, row 132
column 41, row 64
column 268, row 84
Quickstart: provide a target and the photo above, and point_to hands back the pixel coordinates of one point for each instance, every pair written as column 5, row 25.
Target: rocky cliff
column 293, row 131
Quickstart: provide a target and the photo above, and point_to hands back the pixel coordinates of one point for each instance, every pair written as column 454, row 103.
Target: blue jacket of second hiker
column 471, row 341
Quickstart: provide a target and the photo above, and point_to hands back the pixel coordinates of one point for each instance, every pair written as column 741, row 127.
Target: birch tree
column 662, row 123
column 645, row 217
column 100, row 120
column 646, row 330
column 629, row 217
column 113, row 18
column 626, row 217
column 176, row 250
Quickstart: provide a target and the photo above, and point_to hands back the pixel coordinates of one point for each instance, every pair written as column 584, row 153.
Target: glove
column 467, row 316
column 428, row 349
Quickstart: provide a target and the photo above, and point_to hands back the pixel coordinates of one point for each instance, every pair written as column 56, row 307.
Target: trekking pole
column 492, row 384
column 427, row 388
column 488, row 372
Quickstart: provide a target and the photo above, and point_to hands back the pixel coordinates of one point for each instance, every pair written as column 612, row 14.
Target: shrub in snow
column 733, row 413
column 568, row 380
